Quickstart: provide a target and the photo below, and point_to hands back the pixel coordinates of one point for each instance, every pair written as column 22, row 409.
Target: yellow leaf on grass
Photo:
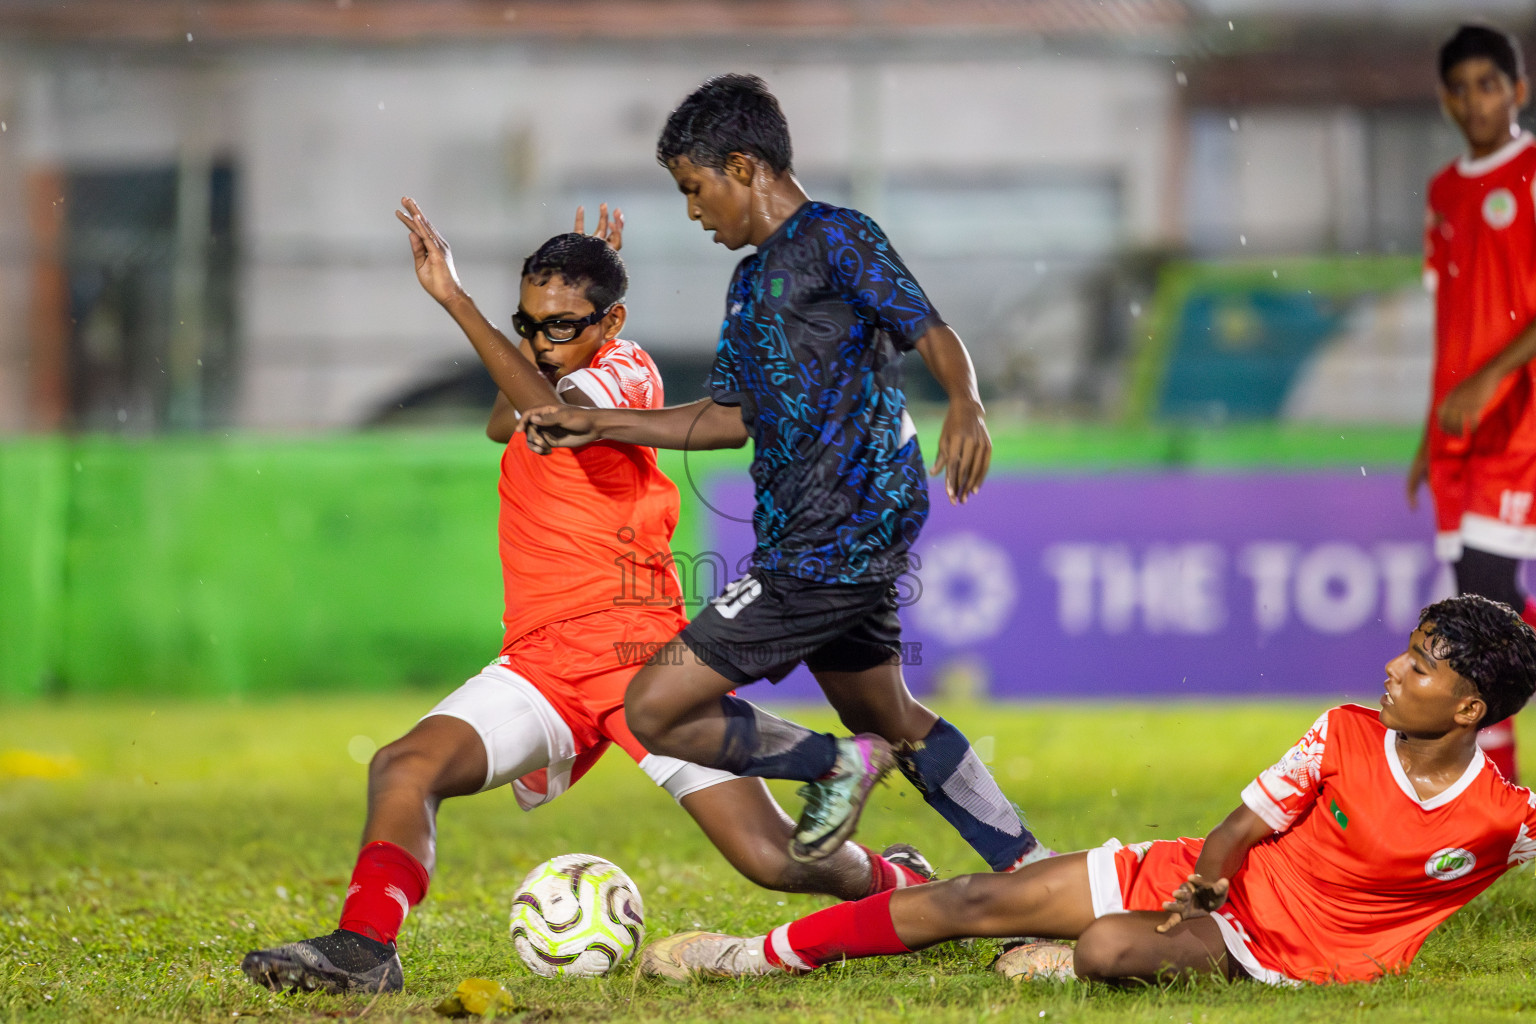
column 477, row 997
column 29, row 764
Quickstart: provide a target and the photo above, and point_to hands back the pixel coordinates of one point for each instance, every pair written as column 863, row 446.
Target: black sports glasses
column 556, row 331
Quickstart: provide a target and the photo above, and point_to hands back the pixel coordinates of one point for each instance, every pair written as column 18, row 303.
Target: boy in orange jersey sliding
column 538, row 717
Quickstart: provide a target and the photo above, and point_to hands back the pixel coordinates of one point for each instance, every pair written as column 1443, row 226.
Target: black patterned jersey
column 815, row 325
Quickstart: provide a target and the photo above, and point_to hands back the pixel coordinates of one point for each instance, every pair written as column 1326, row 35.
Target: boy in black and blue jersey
column 808, row 368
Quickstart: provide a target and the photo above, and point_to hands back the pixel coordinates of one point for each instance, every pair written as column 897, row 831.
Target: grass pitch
column 144, row 847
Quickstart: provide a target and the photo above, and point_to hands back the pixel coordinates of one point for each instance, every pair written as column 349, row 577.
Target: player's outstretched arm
column 1464, row 405
column 698, row 426
column 1221, row 856
column 965, row 447
column 515, row 376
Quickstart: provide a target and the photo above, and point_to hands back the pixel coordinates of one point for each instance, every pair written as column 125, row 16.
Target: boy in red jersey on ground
column 1340, row 860
column 1479, row 447
column 536, row 719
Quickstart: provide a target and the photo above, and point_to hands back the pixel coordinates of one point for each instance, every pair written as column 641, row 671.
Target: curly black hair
column 727, row 114
column 1482, row 41
column 583, row 260
column 1489, row 646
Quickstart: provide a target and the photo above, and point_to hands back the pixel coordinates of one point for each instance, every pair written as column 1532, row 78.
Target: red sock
column 1528, row 613
column 386, row 884
column 884, row 875
column 844, row 931
column 1498, row 745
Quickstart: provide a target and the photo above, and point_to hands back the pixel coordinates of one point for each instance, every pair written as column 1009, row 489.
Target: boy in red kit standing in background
column 1478, row 453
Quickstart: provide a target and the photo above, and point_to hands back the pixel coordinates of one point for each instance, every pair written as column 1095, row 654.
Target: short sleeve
column 621, row 377
column 1283, row 792
column 875, row 280
column 1523, row 849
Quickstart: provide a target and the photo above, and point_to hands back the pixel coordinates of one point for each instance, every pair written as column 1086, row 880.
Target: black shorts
column 764, row 624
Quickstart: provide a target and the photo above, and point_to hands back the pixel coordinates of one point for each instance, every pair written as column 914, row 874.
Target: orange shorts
column 582, row 666
column 1145, row 874
column 1143, row 877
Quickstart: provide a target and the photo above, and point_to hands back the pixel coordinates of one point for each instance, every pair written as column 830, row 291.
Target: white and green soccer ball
column 577, row 916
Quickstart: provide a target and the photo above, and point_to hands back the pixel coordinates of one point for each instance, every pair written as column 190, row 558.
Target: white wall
column 498, row 143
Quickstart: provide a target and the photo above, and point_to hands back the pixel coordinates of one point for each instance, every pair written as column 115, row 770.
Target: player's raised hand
column 434, row 260
column 559, row 426
column 610, row 230
column 965, row 451
column 1463, row 407
column 1195, row 898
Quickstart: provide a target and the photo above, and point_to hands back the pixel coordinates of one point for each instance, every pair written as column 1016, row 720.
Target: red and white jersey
column 1362, row 869
column 620, row 376
column 1480, row 263
column 584, row 529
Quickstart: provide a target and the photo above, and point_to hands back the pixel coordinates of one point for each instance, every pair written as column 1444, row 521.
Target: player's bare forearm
column 965, row 447
column 1228, row 843
column 697, row 426
column 515, row 374
column 950, row 364
column 1463, row 406
column 1520, row 350
column 1223, row 854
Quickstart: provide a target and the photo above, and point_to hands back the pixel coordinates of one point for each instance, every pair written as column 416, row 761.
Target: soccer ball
column 577, row 915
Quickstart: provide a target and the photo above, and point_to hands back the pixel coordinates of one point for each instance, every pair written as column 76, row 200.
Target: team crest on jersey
column 1499, row 208
column 1450, row 863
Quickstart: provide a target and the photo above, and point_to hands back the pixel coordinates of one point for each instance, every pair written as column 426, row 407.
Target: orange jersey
column 1480, row 263
column 1362, row 870
column 584, row 529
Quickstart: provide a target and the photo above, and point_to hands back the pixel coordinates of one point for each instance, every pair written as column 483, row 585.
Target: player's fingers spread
column 1173, row 919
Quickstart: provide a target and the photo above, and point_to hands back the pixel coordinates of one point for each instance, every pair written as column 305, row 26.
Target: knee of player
column 1104, row 952
column 972, row 899
column 644, row 723
column 645, row 714
column 402, row 761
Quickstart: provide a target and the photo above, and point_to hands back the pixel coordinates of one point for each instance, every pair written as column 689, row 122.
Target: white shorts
column 524, row 735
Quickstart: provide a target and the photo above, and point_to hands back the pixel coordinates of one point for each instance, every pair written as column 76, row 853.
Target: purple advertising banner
column 1168, row 584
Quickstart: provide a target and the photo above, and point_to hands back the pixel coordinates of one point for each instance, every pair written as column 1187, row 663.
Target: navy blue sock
column 955, row 783
column 770, row 747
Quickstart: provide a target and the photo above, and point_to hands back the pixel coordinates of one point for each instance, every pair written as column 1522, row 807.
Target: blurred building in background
column 200, row 232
